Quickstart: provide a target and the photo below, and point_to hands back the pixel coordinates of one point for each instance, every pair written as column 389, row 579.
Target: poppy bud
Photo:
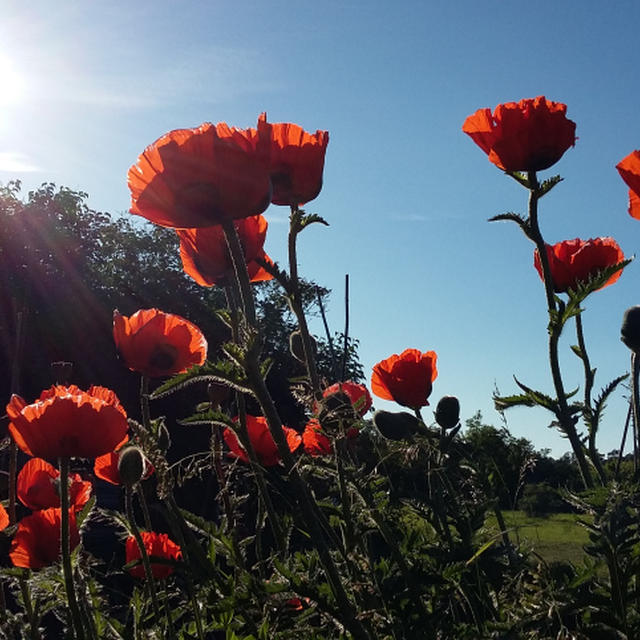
column 630, row 330
column 448, row 412
column 297, row 348
column 395, row 426
column 164, row 439
column 130, row 466
column 61, row 371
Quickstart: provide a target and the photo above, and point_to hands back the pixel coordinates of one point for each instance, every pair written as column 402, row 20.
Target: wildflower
column 296, row 160
column 529, row 135
column 106, row 467
column 629, row 170
column 157, row 545
column 406, row 378
column 200, row 177
column 36, row 543
column 358, row 395
column 261, row 440
column 575, row 261
column 158, row 344
column 67, row 422
column 314, row 441
column 38, row 486
column 205, row 255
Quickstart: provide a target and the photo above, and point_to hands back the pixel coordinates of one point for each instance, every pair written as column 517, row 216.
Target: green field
column 556, row 537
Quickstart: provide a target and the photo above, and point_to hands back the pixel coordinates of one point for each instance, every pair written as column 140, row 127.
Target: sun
column 12, row 85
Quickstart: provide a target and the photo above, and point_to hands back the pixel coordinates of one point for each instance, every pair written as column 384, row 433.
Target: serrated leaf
column 511, row 216
column 577, row 350
column 311, row 218
column 601, row 401
column 209, row 417
column 84, row 512
column 506, row 402
column 595, row 282
column 221, row 371
column 519, row 177
column 548, row 184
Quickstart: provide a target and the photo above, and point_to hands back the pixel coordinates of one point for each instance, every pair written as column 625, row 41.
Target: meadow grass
column 558, row 536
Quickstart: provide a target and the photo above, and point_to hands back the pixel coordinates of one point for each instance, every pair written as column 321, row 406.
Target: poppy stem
column 295, row 301
column 65, row 550
column 556, row 323
column 28, row 606
column 589, row 375
column 310, row 512
column 128, row 501
column 635, row 400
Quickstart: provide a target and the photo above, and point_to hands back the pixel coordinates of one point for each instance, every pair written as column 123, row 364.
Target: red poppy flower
column 405, row 378
column 158, row 545
column 357, row 393
column 158, row 344
column 529, row 135
column 106, row 467
column 38, row 487
column 629, row 169
column 574, row 261
column 262, row 441
column 314, row 441
column 205, row 255
column 68, row 422
column 36, row 543
column 4, row 518
column 296, row 160
column 200, row 177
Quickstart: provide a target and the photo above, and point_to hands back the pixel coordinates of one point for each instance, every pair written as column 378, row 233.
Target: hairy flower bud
column 297, row 348
column 448, row 412
column 131, row 466
column 630, row 330
column 395, row 426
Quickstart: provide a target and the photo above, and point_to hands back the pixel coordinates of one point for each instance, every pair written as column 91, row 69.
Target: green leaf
column 519, row 177
column 601, row 402
column 548, row 184
column 82, row 515
column 221, row 371
column 513, row 217
column 209, row 417
column 595, row 282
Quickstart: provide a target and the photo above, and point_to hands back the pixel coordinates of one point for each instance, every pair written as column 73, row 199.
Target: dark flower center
column 163, row 357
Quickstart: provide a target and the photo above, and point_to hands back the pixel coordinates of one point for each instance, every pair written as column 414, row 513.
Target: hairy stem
column 565, row 419
column 65, row 549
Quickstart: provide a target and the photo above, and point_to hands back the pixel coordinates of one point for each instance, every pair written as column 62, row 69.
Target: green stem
column 588, row 408
column 65, row 544
column 128, row 500
column 144, row 402
column 180, row 527
column 567, row 424
column 34, row 634
column 295, row 300
column 635, row 399
column 142, row 501
column 305, row 500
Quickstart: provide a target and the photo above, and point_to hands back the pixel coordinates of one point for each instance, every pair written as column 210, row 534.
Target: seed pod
column 448, row 412
column 630, row 330
column 395, row 426
column 130, row 466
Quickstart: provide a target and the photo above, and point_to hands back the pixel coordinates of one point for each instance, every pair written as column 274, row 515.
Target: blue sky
column 406, row 193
